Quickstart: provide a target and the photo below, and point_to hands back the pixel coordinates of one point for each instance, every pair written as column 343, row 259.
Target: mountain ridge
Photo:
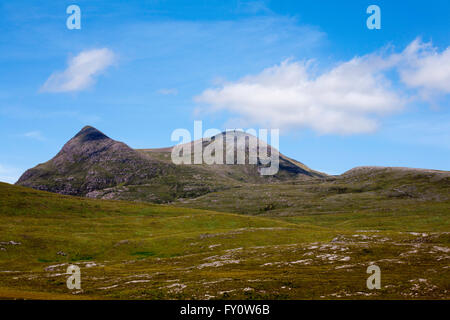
column 94, row 165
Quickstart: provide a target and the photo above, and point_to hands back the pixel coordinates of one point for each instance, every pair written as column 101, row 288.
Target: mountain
column 91, row 161
column 92, row 164
column 238, row 140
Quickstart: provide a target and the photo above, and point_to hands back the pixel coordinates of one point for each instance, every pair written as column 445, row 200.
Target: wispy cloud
column 347, row 99
column 18, row 112
column 165, row 91
column 81, row 71
column 422, row 66
column 37, row 135
column 252, row 6
column 9, row 174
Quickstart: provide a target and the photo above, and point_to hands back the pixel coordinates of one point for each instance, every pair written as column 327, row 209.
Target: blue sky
column 155, row 66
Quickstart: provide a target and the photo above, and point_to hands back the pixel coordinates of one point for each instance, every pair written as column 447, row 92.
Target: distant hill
column 361, row 190
column 92, row 164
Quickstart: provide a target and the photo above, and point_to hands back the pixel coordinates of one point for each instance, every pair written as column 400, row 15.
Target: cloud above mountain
column 349, row 98
column 81, row 72
column 423, row 67
column 36, row 135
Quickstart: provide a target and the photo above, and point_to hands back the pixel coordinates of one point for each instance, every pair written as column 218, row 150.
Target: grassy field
column 277, row 249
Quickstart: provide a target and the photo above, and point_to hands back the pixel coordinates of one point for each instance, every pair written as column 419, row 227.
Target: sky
column 342, row 95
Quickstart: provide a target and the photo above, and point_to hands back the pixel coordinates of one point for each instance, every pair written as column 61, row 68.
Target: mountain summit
column 92, row 164
column 92, row 145
column 87, row 162
column 89, row 133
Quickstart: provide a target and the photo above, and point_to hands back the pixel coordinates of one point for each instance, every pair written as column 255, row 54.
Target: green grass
column 132, row 250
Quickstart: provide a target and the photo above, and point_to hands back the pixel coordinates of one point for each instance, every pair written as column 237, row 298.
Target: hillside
column 93, row 165
column 368, row 189
column 132, row 250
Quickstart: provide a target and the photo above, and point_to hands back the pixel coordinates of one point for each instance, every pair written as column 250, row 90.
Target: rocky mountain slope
column 91, row 161
column 92, row 164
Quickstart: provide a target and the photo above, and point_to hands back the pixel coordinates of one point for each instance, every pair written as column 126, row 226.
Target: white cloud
column 170, row 91
column 342, row 100
column 9, row 174
column 81, row 71
column 347, row 99
column 423, row 67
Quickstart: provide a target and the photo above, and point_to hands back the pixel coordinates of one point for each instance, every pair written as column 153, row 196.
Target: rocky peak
column 91, row 161
column 90, row 142
column 89, row 133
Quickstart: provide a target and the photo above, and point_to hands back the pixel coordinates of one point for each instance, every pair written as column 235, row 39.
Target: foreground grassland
column 313, row 242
